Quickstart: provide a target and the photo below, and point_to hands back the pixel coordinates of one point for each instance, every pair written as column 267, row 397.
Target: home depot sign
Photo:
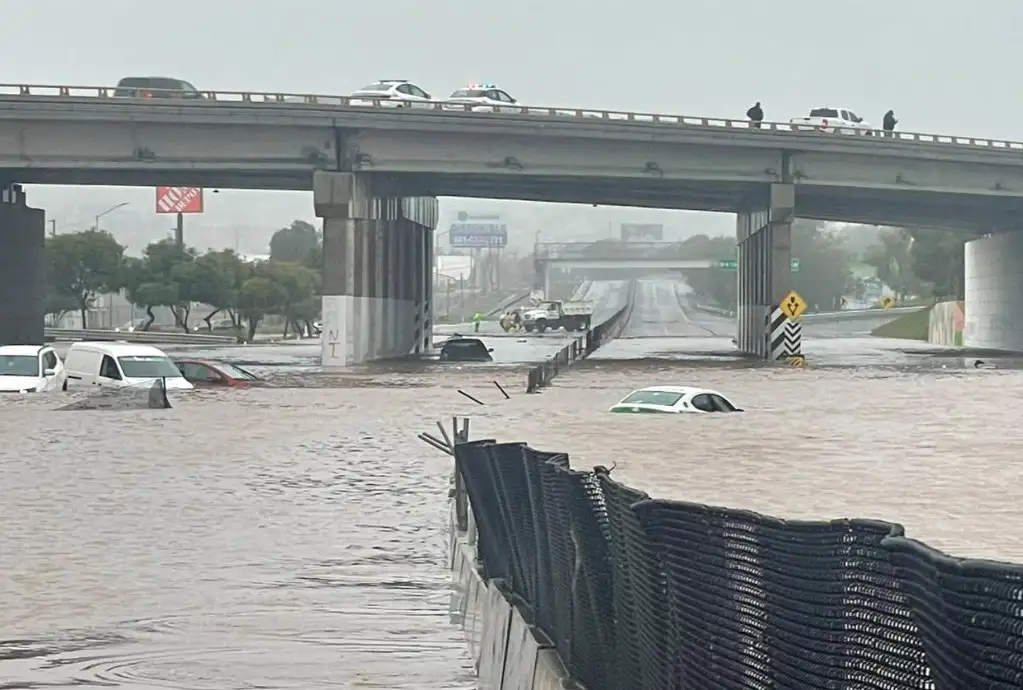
column 179, row 199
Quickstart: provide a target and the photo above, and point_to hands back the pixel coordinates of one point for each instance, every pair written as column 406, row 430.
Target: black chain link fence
column 643, row 594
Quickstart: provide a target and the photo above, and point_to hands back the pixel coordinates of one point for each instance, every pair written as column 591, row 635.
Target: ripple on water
column 297, row 537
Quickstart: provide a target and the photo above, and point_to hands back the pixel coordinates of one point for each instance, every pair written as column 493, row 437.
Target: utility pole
column 179, row 231
column 53, row 228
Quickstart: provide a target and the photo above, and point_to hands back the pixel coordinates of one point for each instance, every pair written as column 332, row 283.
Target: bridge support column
column 22, row 269
column 764, row 242
column 422, row 214
column 993, row 308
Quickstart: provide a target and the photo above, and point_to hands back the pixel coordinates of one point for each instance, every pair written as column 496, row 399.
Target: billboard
column 477, row 234
column 179, row 199
column 642, row 232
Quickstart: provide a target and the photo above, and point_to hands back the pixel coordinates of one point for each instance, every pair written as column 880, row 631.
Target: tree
column 218, row 277
column 297, row 243
column 259, row 295
column 82, row 264
column 299, row 288
column 823, row 277
column 892, row 258
column 938, row 257
column 165, row 276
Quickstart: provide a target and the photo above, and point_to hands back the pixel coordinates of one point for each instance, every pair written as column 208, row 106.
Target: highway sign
column 642, row 232
column 478, row 235
column 887, row 302
column 733, row 264
column 792, row 305
column 179, row 199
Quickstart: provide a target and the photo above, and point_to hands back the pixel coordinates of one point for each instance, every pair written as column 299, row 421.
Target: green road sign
column 733, row 264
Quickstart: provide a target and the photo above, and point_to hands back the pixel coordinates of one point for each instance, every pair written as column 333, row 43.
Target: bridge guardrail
column 631, row 589
column 149, row 337
column 284, row 99
column 582, row 347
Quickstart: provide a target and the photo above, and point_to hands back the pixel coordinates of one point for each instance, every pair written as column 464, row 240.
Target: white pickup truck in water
column 555, row 314
column 838, row 120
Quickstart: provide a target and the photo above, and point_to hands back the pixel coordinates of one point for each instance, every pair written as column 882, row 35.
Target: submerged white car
column 31, row 369
column 674, row 400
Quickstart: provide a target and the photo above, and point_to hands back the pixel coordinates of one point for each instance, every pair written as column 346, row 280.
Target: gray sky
column 948, row 69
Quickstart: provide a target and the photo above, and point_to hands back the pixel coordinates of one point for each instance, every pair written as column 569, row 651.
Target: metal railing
column 545, row 251
column 151, row 337
column 637, row 593
column 210, row 98
column 582, row 347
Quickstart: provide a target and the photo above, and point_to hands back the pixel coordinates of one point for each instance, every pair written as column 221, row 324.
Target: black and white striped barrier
column 785, row 336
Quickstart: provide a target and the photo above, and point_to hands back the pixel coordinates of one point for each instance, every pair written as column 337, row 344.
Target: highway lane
column 666, row 325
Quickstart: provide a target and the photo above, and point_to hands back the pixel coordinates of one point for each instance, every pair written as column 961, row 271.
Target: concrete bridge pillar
column 377, row 279
column 22, row 269
column 993, row 307
column 763, row 238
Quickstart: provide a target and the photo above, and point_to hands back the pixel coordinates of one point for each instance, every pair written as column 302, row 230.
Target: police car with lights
column 482, row 98
column 391, row 93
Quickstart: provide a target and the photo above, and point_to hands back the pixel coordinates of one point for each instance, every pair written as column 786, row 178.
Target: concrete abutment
column 377, row 271
column 763, row 237
column 22, row 269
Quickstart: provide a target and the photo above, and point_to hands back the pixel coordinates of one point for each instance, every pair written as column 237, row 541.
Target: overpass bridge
column 604, row 254
column 375, row 172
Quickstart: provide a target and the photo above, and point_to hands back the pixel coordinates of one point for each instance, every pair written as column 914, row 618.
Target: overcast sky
column 943, row 67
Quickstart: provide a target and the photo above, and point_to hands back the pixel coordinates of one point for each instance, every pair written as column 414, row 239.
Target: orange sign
column 179, row 199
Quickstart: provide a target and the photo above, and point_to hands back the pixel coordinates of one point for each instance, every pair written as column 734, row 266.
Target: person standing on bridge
column 889, row 123
column 755, row 115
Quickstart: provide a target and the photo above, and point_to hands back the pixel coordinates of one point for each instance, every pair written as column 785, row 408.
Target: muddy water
column 296, row 537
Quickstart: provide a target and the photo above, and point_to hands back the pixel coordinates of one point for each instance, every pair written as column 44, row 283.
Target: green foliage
column 892, row 259
column 80, row 265
column 938, row 258
column 297, row 243
column 822, row 279
column 83, row 264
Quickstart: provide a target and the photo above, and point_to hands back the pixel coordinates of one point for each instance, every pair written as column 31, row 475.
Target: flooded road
column 295, row 537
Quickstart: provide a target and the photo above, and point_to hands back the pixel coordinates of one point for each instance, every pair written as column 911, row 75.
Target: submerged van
column 118, row 365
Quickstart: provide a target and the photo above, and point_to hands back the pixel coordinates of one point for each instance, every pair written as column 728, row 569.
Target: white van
column 117, row 365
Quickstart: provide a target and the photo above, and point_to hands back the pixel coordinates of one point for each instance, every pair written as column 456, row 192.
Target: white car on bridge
column 838, row 120
column 482, row 98
column 674, row 400
column 392, row 93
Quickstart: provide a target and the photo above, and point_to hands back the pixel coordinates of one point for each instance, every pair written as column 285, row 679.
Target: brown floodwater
column 297, row 537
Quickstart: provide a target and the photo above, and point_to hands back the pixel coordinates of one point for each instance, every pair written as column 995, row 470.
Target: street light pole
column 109, row 210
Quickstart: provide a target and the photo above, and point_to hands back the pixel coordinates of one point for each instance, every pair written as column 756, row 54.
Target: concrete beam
column 517, row 156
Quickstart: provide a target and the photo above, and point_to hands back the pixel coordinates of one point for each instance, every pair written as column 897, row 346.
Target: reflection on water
column 296, row 537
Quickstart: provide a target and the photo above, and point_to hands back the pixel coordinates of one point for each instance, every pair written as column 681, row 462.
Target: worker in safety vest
column 476, row 319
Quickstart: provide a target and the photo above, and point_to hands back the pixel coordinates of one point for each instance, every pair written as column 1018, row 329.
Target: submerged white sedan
column 674, row 400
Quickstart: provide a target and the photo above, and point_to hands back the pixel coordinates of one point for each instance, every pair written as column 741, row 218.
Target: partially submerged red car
column 208, row 372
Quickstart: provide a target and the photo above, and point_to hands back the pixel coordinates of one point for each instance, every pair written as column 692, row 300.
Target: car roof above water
column 679, row 390
column 21, row 349
column 118, row 349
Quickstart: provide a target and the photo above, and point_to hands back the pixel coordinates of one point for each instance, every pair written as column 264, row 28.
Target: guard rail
column 842, row 315
column 15, row 92
column 150, row 337
column 582, row 347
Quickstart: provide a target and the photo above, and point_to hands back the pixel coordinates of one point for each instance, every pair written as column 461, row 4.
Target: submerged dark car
column 465, row 350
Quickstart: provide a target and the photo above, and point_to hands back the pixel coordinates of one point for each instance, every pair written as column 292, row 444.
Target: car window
column 404, row 89
column 722, row 405
column 197, row 372
column 108, row 369
column 703, row 403
column 188, row 88
column 418, row 92
column 666, row 398
column 378, row 86
column 853, row 117
column 50, row 359
column 19, row 365
column 823, row 112
column 469, row 93
column 149, row 367
column 505, row 97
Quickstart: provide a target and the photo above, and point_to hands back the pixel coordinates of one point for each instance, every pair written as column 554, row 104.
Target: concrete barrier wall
column 947, row 323
column 507, row 654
